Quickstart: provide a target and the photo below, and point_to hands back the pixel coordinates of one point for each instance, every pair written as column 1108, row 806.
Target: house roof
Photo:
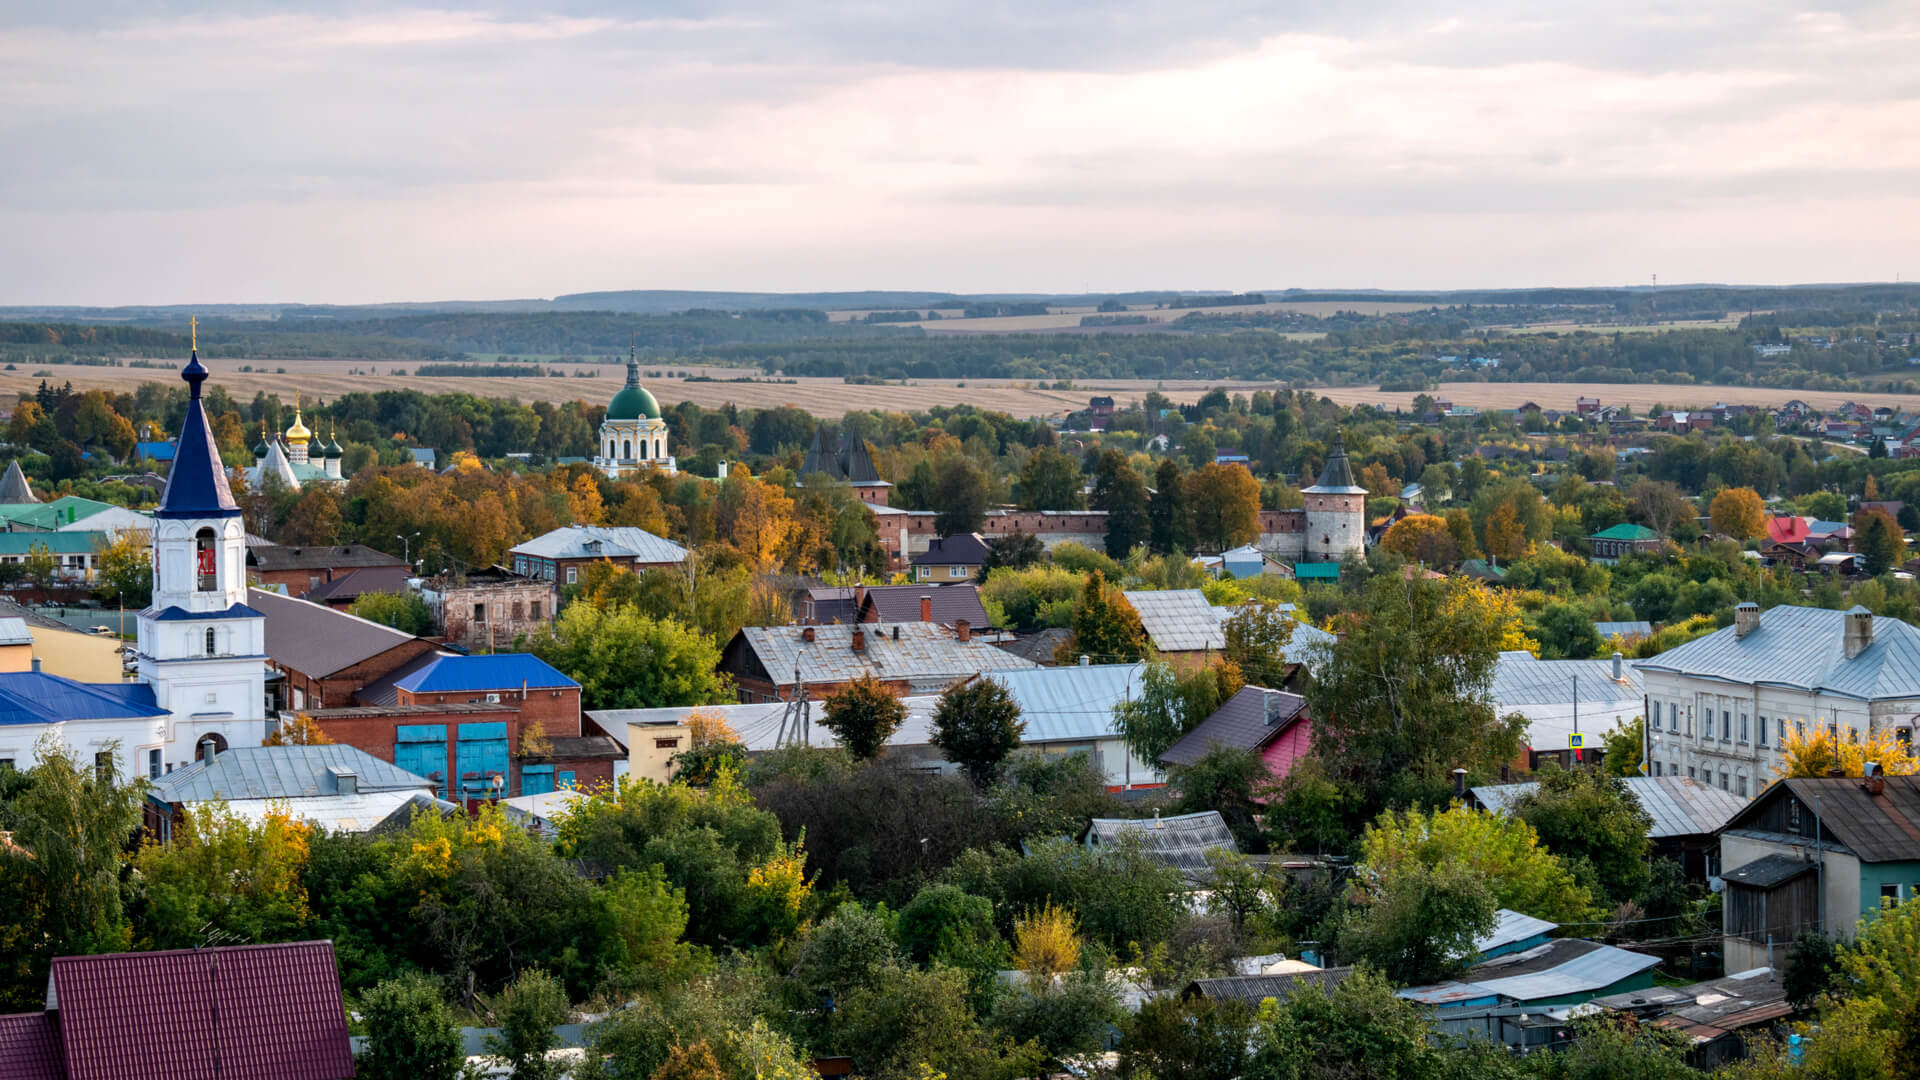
column 282, row 772
column 1510, row 928
column 1708, row 1010
column 1248, row 720
column 364, row 812
column 196, row 481
column 37, row 697
column 1177, row 620
column 384, row 691
column 1802, row 648
column 901, row 603
column 65, row 510
column 1559, row 968
column 1786, row 529
column 1255, row 989
column 1626, row 531
column 272, row 557
column 1768, row 871
column 72, row 542
column 916, row 651
column 1630, row 628
column 960, row 549
column 1072, row 702
column 758, row 723
column 354, row 584
column 1520, row 678
column 1180, row 841
column 1678, row 805
column 1316, row 571
column 30, row 1047
column 13, row 631
column 1877, row 828
column 1039, row 646
column 14, row 489
column 261, row 1012
column 447, row 674
column 602, row 542
column 1482, row 569
column 317, row 640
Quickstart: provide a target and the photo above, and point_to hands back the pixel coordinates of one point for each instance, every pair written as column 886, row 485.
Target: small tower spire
column 633, row 363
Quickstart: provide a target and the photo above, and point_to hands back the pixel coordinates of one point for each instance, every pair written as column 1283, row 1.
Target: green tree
column 1881, row 540
column 1223, row 502
column 1566, row 632
column 125, row 569
column 1501, row 850
column 962, row 490
column 527, row 1013
column 411, row 1033
column 863, row 716
column 1050, row 480
column 1418, row 922
column 1119, row 490
column 1606, row 1047
column 223, row 871
column 976, row 725
column 41, row 565
column 1590, row 819
column 1016, row 550
column 1169, row 518
column 1623, row 747
column 406, row 612
column 1105, row 626
column 625, row 660
column 1812, row 963
column 1257, row 637
column 1168, row 705
column 1362, row 1028
column 1192, row 1038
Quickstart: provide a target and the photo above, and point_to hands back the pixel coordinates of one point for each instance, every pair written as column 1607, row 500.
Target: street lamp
column 406, row 547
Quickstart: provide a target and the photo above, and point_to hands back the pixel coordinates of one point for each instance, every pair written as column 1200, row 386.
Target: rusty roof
column 924, row 654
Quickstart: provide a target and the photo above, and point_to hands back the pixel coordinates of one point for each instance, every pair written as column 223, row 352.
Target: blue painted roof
column 197, row 483
column 158, row 451
column 34, row 697
column 178, row 614
column 497, row 671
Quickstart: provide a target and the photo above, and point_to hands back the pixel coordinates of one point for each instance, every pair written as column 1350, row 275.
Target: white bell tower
column 200, row 647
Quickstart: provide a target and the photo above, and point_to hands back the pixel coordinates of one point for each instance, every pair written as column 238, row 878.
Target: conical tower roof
column 197, row 483
column 1336, row 478
column 275, row 466
column 14, row 488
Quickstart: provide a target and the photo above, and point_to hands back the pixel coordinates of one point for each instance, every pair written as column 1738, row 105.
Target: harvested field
column 1066, row 318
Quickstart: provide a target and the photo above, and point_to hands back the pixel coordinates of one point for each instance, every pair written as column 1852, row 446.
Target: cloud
column 375, row 152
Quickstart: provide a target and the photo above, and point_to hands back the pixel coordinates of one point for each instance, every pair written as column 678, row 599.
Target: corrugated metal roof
column 356, row 583
column 1559, row 968
column 1802, row 648
column 1877, row 828
column 1768, row 871
column 602, row 542
column 1248, row 720
column 37, row 697
column 358, row 813
column 1178, row 620
column 13, row 631
column 491, row 671
column 960, row 549
column 1511, row 927
column 1641, row 628
column 281, row 772
column 1255, row 989
column 317, row 557
column 249, row 1012
column 1071, row 703
column 14, row 489
column 1522, row 679
column 317, row 640
column 1180, row 841
column 30, row 1045
column 758, row 724
column 1678, row 805
column 926, row 655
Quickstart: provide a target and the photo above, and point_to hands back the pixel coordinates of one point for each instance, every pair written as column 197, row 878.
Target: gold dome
column 298, row 433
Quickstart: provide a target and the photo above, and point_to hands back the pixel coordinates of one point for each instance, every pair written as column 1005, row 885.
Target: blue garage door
column 483, row 758
column 421, row 749
column 536, row 779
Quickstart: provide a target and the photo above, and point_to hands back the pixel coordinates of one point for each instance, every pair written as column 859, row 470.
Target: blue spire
column 197, row 484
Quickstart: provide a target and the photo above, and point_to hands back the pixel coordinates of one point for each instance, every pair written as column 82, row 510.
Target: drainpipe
column 1819, row 854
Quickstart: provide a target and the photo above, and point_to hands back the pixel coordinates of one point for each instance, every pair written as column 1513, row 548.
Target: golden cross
column 194, row 326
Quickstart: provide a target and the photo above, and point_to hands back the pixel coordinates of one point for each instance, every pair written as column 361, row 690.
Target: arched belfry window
column 205, row 561
column 210, row 641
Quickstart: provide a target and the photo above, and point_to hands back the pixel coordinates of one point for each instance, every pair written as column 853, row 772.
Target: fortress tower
column 1336, row 511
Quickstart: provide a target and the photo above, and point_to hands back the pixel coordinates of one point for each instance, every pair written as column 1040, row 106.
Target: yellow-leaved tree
column 1046, row 942
column 1500, row 610
column 1817, row 752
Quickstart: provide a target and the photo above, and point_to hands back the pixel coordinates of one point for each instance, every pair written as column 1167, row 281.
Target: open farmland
column 311, row 379
column 1066, row 318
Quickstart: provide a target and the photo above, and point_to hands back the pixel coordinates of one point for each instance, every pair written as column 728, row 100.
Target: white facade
column 628, row 446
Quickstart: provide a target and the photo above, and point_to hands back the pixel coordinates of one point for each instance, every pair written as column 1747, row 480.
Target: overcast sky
column 173, row 151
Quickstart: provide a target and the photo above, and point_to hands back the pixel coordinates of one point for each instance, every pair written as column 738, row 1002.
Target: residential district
column 1256, row 737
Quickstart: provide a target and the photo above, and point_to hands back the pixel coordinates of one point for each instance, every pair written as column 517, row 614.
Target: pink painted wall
column 1292, row 745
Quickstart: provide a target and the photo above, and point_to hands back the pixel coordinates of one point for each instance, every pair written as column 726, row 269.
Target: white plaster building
column 1721, row 706
column 633, row 436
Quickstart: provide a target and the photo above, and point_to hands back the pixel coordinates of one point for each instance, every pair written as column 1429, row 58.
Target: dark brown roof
column 570, row 748
column 831, row 604
column 30, row 1047
column 251, row 1012
column 1255, row 989
column 272, row 557
column 317, row 640
column 1039, row 646
column 1877, row 828
column 350, row 586
column 951, row 603
column 1246, row 721
column 960, row 549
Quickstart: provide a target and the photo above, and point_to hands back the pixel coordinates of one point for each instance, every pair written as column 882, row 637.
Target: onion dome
column 633, row 402
column 298, row 433
column 332, row 448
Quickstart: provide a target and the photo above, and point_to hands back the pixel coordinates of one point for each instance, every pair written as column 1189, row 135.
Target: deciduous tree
column 1739, row 512
column 1423, row 538
column 1105, row 626
column 976, row 725
column 1224, row 501
column 863, row 716
column 625, row 660
column 1118, row 490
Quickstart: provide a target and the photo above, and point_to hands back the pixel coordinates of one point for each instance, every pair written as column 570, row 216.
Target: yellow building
column 651, row 747
column 62, row 650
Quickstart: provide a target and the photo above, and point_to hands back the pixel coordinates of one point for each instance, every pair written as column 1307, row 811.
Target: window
column 153, row 764
column 1690, row 775
column 1781, row 729
column 533, row 609
column 626, row 449
column 1655, row 718
column 204, row 557
column 1740, row 786
column 102, row 766
column 519, row 611
column 956, row 571
column 1726, row 725
column 1903, row 736
column 1761, row 730
column 479, row 613
column 666, row 744
column 1743, row 727
column 1723, row 780
column 1793, row 815
column 210, row 641
column 643, row 449
column 1890, row 894
column 1800, row 728
column 1656, row 768
column 573, row 575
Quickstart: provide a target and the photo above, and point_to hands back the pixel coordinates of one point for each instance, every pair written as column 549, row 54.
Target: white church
column 200, row 652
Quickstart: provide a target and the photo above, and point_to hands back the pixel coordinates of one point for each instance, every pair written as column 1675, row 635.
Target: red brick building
column 324, row 657
column 300, row 570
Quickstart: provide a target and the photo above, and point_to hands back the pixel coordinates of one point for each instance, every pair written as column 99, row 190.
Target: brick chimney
column 963, row 630
column 1746, row 618
column 806, row 634
column 926, row 609
column 1858, row 635
column 1872, row 781
column 859, row 640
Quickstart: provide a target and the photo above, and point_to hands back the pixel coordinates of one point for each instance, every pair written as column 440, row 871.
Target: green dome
column 260, row 449
column 633, row 403
column 333, row 450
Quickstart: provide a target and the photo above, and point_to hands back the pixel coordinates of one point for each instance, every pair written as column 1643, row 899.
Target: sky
column 183, row 151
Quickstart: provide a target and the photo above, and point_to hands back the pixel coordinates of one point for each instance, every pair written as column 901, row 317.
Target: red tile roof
column 252, row 1012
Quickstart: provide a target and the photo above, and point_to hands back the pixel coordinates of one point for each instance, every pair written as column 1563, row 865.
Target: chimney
column 963, row 629
column 1858, row 636
column 859, row 640
column 1873, row 782
column 345, row 781
column 36, row 664
column 1746, row 618
column 1617, row 673
column 806, row 634
column 859, row 600
column 926, row 609
column 1085, row 659
column 209, row 749
column 1459, row 783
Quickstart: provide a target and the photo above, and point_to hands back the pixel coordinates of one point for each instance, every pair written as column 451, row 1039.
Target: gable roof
column 30, row 1047
column 960, row 549
column 1623, row 628
column 1520, row 678
column 1072, row 702
column 901, row 603
column 356, row 583
column 1626, row 531
column 1177, row 620
column 447, row 674
column 919, row 652
column 602, row 542
column 271, row 557
column 36, row 697
column 1678, row 805
column 1510, row 928
column 281, row 772
column 317, row 640
column 262, row 1012
column 1802, row 648
column 1248, row 720
column 1560, row 968
column 1786, row 529
column 1877, row 828
column 1180, row 841
column 1255, row 989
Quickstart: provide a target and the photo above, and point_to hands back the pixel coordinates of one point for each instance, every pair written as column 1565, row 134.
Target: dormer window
column 205, row 556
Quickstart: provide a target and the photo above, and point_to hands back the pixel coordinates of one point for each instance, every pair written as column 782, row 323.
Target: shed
column 1181, row 841
column 1567, row 971
column 1254, row 989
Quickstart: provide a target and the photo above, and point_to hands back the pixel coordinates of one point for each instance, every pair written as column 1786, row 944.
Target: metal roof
column 960, row 549
column 1071, row 703
column 282, row 772
column 1678, row 805
column 271, row 557
column 1877, row 828
column 1511, row 927
column 1522, row 679
column 1255, row 989
column 196, row 481
column 357, row 813
column 1802, row 648
column 1560, row 968
column 1768, row 871
column 30, row 1047
column 356, row 583
column 1180, row 841
column 13, row 631
column 317, row 640
column 1248, row 720
column 1177, row 620
column 1626, row 531
column 1336, row 478
column 1640, row 628
column 14, row 489
column 248, row 1012
column 489, row 671
column 37, row 697
column 602, row 542
column 758, row 724
column 924, row 654
column 951, row 603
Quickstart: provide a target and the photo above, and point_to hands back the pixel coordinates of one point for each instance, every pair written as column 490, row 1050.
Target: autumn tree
column 1224, row 502
column 1738, row 512
column 1881, row 539
column 1504, row 536
column 315, row 519
column 753, row 516
column 1257, row 637
column 1658, row 505
column 1050, row 480
column 125, row 569
column 219, row 870
column 863, row 715
column 1815, row 752
column 1105, row 626
column 1499, row 849
column 1423, row 538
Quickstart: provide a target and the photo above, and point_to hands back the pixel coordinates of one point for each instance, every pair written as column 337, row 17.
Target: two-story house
column 1720, row 707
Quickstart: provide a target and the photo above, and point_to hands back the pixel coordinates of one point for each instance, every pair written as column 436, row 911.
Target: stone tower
column 1336, row 511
